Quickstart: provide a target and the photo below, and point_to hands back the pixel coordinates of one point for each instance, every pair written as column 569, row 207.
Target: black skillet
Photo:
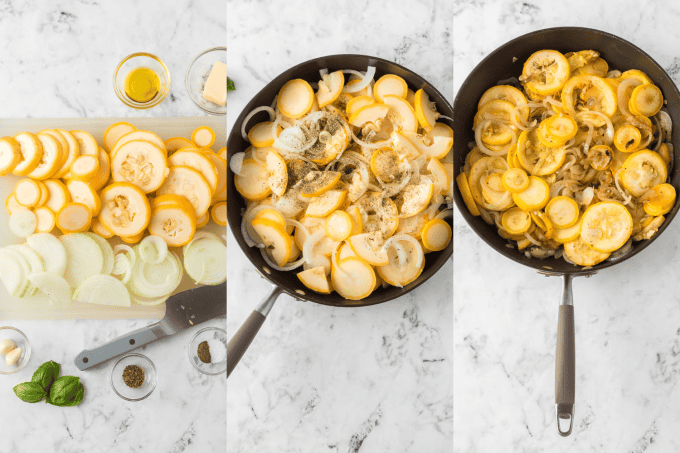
column 287, row 282
column 506, row 62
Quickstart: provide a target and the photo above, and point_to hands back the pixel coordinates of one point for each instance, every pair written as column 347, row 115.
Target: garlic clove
column 13, row 356
column 6, row 346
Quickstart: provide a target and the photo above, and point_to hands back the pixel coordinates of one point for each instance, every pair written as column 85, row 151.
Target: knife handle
column 238, row 345
column 121, row 345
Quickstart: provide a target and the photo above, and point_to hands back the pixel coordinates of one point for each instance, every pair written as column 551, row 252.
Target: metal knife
column 182, row 311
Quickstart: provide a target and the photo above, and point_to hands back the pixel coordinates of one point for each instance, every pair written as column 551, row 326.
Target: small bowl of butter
column 206, row 80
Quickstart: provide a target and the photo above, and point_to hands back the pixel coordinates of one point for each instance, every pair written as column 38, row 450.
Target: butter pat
column 215, row 89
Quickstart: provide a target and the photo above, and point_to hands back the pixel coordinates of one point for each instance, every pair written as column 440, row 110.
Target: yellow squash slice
column 278, row 173
column 63, row 148
column 252, row 182
column 627, row 138
column 535, row 157
column 83, row 193
column 261, row 135
column 646, row 100
column 315, row 279
column 45, row 219
column 330, row 88
column 534, row 197
column 279, row 244
column 324, row 204
column 493, row 111
column 27, row 192
column 31, row 153
column 203, row 136
column 600, row 157
column 84, row 167
column 606, row 226
column 74, row 218
column 563, row 212
column 101, row 178
column 581, row 254
column 295, row 98
column 357, row 102
column 219, row 213
column 198, row 161
column 505, row 93
column 436, row 235
column 98, row 228
column 316, row 183
column 643, row 170
column 390, row 84
column 140, row 135
column 466, row 194
column 51, row 157
column 425, row 109
column 175, row 143
column 125, row 210
column 221, row 168
column 589, row 93
column 434, row 144
column 338, row 225
column 414, row 198
column 58, row 194
column 353, row 278
column 10, row 155
column 515, row 180
column 190, row 184
column 660, row 201
column 545, row 72
column 401, row 274
column 73, row 152
column 372, row 113
column 564, row 235
column 11, row 204
column 141, row 163
column 86, row 142
column 173, row 222
column 116, row 131
column 401, row 114
column 133, row 239
column 515, row 221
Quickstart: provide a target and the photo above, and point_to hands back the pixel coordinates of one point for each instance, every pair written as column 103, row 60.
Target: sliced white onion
column 334, row 261
column 310, row 243
column 532, row 240
column 132, row 256
column 272, row 116
column 297, row 224
column 249, row 234
column 375, row 145
column 370, row 73
column 153, row 249
column 323, row 72
column 446, row 213
column 236, row 163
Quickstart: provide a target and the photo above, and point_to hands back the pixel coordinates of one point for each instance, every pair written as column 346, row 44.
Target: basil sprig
column 61, row 391
column 230, row 85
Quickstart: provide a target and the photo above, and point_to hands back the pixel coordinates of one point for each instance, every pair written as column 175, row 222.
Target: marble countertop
column 627, row 317
column 58, row 61
column 320, row 379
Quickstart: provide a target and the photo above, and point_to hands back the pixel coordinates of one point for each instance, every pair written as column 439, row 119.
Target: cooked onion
column 487, row 151
column 621, row 94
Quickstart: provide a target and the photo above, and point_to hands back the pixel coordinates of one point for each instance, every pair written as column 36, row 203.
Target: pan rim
column 235, row 228
column 520, row 258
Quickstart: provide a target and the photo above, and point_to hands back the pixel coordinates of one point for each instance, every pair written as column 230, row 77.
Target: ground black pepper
column 133, row 376
column 204, row 352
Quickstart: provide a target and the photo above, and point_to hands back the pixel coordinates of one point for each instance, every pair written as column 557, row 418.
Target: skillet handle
column 239, row 343
column 565, row 366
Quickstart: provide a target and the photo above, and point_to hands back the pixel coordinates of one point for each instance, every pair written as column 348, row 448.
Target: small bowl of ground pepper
column 208, row 351
column 134, row 377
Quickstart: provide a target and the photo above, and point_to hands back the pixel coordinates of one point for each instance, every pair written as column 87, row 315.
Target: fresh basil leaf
column 46, row 374
column 230, row 85
column 30, row 392
column 66, row 391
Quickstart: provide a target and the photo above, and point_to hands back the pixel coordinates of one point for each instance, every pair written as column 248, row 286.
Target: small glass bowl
column 18, row 337
column 150, row 377
column 198, row 73
column 209, row 333
column 141, row 60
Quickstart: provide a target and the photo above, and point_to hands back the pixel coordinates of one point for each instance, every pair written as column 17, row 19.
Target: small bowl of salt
column 208, row 351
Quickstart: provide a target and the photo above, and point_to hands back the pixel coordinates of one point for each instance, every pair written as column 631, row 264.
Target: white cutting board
column 38, row 307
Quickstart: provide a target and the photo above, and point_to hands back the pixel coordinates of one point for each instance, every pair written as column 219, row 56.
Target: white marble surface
column 627, row 317
column 319, row 379
column 57, row 61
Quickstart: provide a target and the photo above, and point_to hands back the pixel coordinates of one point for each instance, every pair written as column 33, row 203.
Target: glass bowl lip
column 186, row 79
column 141, row 356
column 137, row 105
column 191, row 356
column 27, row 351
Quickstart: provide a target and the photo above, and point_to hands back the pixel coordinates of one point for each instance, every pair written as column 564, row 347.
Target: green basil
column 66, row 391
column 230, row 85
column 30, row 392
column 46, row 374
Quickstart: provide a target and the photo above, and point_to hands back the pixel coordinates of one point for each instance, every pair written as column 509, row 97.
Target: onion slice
column 272, row 116
column 405, row 237
column 370, row 73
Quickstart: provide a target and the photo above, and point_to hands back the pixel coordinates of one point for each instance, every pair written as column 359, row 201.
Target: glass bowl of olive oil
column 141, row 80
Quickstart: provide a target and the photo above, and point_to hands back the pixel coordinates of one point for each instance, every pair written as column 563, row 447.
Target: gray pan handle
column 121, row 345
column 565, row 364
column 239, row 343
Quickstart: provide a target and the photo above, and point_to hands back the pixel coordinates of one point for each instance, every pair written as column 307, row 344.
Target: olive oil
column 142, row 84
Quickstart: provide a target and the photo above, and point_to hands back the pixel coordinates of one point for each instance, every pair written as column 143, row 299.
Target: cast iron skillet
column 287, row 282
column 499, row 65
